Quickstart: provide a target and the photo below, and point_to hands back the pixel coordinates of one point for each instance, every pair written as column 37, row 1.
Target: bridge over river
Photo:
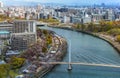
column 89, row 56
column 79, row 63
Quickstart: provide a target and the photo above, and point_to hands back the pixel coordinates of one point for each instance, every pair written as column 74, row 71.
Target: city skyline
column 71, row 2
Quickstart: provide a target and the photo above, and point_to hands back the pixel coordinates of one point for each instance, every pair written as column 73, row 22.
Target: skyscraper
column 24, row 34
column 1, row 4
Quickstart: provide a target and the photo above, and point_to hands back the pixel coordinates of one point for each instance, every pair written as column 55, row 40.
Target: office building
column 4, row 34
column 97, row 17
column 21, row 41
column 21, row 26
column 86, row 19
column 24, row 34
column 6, row 27
column 110, row 15
column 66, row 19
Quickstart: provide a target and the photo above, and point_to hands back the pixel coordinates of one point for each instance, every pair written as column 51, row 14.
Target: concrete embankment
column 115, row 44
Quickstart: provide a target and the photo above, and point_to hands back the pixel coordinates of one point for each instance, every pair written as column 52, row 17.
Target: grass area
column 10, row 73
column 11, row 69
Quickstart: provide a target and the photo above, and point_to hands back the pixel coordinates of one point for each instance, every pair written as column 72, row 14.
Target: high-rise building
column 97, row 17
column 21, row 26
column 1, row 4
column 24, row 34
column 21, row 41
column 66, row 19
column 110, row 15
column 39, row 7
column 41, row 15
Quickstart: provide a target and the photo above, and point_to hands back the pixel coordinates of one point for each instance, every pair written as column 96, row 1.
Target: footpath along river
column 86, row 49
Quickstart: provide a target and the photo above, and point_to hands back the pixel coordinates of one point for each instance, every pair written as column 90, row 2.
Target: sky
column 68, row 1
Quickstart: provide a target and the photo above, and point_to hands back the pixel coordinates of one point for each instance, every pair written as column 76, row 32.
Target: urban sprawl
column 23, row 42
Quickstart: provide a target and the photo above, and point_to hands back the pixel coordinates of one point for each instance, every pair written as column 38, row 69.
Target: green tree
column 16, row 62
column 82, row 27
column 78, row 26
column 4, row 50
column 49, row 40
column 4, row 70
column 91, row 27
column 45, row 32
column 114, row 31
column 44, row 49
column 118, row 38
column 102, row 25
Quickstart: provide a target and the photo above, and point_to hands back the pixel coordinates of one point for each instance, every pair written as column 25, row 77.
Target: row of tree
column 102, row 26
column 14, row 64
column 108, row 27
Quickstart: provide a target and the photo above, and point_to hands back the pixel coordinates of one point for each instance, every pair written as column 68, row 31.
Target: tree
column 16, row 62
column 91, row 27
column 78, row 26
column 4, row 50
column 114, row 32
column 118, row 38
column 4, row 70
column 44, row 49
column 45, row 32
column 82, row 27
column 102, row 25
column 49, row 40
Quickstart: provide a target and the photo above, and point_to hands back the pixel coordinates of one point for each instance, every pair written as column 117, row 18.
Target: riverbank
column 49, row 47
column 110, row 40
column 60, row 50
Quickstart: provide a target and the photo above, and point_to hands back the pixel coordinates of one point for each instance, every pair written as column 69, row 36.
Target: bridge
column 97, row 60
column 41, row 24
column 80, row 63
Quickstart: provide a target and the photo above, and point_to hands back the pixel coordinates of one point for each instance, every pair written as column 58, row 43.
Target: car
column 20, row 76
column 25, row 71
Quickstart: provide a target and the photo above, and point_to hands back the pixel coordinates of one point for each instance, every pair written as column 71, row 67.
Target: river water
column 86, row 49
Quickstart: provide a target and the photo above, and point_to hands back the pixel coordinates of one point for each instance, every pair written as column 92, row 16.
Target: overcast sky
column 70, row 1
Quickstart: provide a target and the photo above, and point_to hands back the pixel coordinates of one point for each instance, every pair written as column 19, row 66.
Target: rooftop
column 24, row 33
column 5, row 24
column 24, row 20
column 4, row 32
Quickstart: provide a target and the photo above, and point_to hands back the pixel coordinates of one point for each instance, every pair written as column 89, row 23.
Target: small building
column 97, row 17
column 4, row 34
column 12, row 53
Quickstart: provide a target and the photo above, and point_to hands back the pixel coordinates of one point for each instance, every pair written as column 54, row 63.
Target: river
column 86, row 49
